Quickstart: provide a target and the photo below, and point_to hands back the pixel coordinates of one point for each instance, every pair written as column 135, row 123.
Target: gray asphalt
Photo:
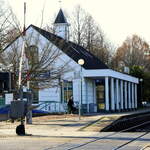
column 134, row 141
column 64, row 134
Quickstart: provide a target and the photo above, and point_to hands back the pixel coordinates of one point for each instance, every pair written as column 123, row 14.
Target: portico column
column 117, row 95
column 135, row 95
column 106, row 94
column 87, row 100
column 129, row 95
column 133, row 99
column 112, row 95
column 125, row 95
column 121, row 94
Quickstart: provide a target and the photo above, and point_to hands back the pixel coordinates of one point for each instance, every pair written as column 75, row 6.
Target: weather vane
column 60, row 2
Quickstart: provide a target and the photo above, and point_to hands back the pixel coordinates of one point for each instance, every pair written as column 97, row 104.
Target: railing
column 54, row 106
column 49, row 106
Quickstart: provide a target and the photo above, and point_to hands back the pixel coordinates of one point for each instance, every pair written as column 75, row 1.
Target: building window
column 32, row 55
column 66, row 90
column 147, row 53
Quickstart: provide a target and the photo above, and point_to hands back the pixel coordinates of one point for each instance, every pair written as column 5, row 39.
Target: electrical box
column 17, row 109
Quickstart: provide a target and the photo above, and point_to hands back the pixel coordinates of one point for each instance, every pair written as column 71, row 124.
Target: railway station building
column 92, row 84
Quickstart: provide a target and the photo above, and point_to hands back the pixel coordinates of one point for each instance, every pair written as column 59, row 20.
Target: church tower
column 61, row 27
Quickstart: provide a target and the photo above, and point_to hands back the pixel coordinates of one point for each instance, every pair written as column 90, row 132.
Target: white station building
column 92, row 83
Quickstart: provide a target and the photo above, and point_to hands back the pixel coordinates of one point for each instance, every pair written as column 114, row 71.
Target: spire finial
column 60, row 2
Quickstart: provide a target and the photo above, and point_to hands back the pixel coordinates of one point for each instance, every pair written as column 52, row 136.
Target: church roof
column 73, row 50
column 60, row 17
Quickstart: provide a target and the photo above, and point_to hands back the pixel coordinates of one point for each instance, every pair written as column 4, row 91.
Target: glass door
column 100, row 97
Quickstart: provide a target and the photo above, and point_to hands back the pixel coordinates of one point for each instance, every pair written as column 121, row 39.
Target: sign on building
column 8, row 98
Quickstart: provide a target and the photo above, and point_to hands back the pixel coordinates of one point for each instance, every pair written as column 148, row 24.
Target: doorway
column 100, row 90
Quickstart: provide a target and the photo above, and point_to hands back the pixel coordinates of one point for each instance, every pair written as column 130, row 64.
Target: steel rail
column 95, row 140
column 104, row 137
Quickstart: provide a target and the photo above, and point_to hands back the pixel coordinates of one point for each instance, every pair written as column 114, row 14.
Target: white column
column 106, row 94
column 87, row 100
column 94, row 96
column 117, row 95
column 129, row 95
column 125, row 95
column 135, row 95
column 112, row 95
column 121, row 94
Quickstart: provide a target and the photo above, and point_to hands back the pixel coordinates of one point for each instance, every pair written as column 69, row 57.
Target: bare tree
column 78, row 22
column 87, row 33
column 4, row 15
column 132, row 52
column 42, row 55
column 43, row 71
column 8, row 25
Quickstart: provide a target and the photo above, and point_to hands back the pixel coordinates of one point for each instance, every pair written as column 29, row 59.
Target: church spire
column 60, row 17
column 61, row 26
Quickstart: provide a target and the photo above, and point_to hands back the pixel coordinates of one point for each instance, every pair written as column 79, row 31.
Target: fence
column 49, row 106
column 54, row 106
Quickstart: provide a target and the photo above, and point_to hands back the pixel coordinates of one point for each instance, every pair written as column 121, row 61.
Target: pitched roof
column 73, row 50
column 60, row 17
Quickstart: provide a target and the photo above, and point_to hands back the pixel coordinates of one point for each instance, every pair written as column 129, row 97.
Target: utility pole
column 20, row 129
column 29, row 92
column 29, row 97
column 19, row 108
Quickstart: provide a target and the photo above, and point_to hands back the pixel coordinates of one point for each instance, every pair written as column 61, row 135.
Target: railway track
column 103, row 138
column 126, row 122
column 116, row 133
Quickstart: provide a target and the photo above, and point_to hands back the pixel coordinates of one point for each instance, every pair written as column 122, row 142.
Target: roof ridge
column 71, row 49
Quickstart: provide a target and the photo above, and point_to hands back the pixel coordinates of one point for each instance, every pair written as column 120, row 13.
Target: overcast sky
column 117, row 18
